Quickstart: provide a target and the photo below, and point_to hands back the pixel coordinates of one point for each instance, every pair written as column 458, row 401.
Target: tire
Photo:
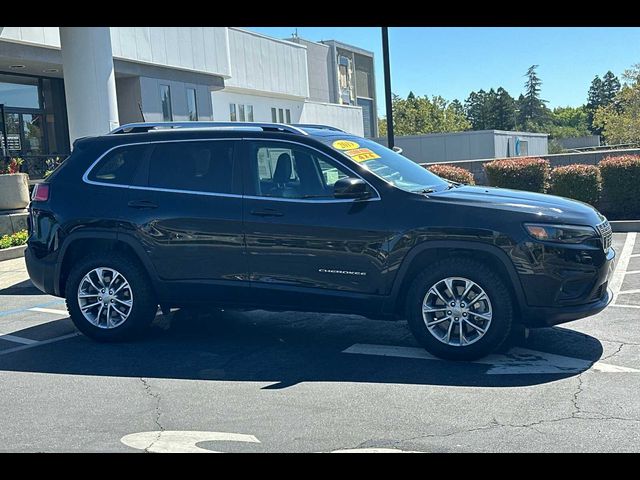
column 140, row 314
column 498, row 310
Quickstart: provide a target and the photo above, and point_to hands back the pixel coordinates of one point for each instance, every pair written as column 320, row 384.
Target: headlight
column 560, row 233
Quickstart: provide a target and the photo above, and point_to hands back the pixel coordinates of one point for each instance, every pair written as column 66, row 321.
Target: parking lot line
column 39, row 343
column 16, row 339
column 20, row 310
column 49, row 310
column 621, row 268
column 517, row 361
column 625, row 292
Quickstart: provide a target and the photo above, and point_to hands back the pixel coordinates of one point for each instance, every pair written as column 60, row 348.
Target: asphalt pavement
column 256, row 381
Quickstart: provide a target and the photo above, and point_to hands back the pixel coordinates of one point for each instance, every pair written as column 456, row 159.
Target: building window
column 281, row 115
column 249, row 113
column 165, row 99
column 274, row 115
column 288, row 112
column 192, row 105
column 241, row 116
column 232, row 112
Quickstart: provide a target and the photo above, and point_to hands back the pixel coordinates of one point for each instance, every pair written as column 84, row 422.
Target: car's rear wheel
column 109, row 297
column 459, row 309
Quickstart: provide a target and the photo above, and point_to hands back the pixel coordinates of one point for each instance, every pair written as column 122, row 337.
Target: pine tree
column 610, row 88
column 532, row 108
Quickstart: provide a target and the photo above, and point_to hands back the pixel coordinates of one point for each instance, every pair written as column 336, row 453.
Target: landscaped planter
column 14, row 191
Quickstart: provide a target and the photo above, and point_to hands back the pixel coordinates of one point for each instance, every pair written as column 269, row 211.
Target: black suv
column 310, row 218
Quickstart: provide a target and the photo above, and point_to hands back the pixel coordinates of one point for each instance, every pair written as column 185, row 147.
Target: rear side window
column 202, row 166
column 119, row 166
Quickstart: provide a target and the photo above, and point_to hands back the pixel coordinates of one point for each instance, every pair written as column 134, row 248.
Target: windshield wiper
column 423, row 190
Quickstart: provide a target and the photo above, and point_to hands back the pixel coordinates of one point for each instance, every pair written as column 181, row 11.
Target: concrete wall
column 347, row 118
column 203, row 49
column 152, row 106
column 261, row 105
column 556, row 160
column 318, row 57
column 264, row 64
column 580, row 142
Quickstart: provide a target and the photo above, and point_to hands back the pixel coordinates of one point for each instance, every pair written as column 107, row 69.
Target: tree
column 568, row 122
column 619, row 121
column 416, row 115
column 504, row 110
column 601, row 93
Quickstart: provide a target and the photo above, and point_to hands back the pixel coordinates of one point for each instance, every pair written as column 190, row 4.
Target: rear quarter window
column 119, row 166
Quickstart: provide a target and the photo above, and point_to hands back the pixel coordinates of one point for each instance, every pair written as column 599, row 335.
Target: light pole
column 387, row 86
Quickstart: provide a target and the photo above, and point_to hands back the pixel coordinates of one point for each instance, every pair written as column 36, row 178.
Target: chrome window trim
column 85, row 177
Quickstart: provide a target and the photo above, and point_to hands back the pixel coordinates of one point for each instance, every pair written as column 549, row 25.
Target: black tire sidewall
column 144, row 305
column 489, row 281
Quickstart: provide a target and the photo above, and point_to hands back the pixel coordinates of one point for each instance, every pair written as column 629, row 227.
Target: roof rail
column 316, row 125
column 141, row 127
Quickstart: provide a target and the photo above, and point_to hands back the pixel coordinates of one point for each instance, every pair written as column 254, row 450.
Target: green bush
column 530, row 174
column 621, row 185
column 455, row 174
column 580, row 182
column 18, row 238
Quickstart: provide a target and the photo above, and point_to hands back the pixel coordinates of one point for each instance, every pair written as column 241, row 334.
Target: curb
column 619, row 226
column 12, row 252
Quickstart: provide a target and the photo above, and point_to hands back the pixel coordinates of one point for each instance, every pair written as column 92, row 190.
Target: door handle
column 267, row 212
column 142, row 204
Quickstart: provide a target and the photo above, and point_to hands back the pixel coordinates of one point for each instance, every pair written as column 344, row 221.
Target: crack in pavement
column 620, row 345
column 156, row 396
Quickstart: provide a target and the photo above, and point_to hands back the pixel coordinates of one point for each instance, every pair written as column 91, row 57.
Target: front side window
column 201, row 166
column 192, row 105
column 165, row 99
column 285, row 170
column 119, row 166
column 387, row 164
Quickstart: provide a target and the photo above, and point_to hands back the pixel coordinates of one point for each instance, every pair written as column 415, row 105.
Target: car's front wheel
column 459, row 309
column 109, row 297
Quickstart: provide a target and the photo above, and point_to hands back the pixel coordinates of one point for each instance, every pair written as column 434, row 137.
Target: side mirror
column 351, row 188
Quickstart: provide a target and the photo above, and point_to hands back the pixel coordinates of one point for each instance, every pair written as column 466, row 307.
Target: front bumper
column 547, row 316
column 41, row 272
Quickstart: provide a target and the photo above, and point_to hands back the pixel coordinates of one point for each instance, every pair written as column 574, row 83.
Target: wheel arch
column 80, row 244
column 423, row 254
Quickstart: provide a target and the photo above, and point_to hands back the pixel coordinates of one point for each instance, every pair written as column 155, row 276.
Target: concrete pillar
column 89, row 80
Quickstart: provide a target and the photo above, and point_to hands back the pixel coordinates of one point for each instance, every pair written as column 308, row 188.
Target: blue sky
column 452, row 62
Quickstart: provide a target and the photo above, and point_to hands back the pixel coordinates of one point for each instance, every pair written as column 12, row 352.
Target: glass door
column 24, row 133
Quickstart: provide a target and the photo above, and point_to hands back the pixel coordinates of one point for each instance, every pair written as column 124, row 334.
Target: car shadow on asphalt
column 281, row 350
column 23, row 288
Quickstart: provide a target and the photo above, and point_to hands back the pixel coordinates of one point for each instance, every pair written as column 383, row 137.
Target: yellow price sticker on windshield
column 362, row 154
column 345, row 145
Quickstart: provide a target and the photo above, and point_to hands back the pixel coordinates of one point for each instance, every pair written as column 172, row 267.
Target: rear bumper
column 41, row 272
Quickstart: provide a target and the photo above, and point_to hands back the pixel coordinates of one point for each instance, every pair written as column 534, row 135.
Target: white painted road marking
column 49, row 310
column 625, row 292
column 38, row 343
column 176, row 441
column 623, row 262
column 16, row 339
column 374, row 450
column 624, row 306
column 516, row 362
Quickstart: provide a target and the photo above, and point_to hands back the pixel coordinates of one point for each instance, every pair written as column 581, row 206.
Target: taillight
column 40, row 192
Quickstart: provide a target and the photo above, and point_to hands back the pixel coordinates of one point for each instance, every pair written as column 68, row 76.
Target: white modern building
column 61, row 83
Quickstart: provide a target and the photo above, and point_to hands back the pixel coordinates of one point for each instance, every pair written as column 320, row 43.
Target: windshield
column 387, row 164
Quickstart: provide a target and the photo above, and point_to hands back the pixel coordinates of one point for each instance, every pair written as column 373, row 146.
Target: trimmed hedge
column 530, row 174
column 455, row 174
column 580, row 182
column 621, row 185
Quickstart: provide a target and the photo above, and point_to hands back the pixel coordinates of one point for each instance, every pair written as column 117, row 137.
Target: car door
column 190, row 215
column 298, row 234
